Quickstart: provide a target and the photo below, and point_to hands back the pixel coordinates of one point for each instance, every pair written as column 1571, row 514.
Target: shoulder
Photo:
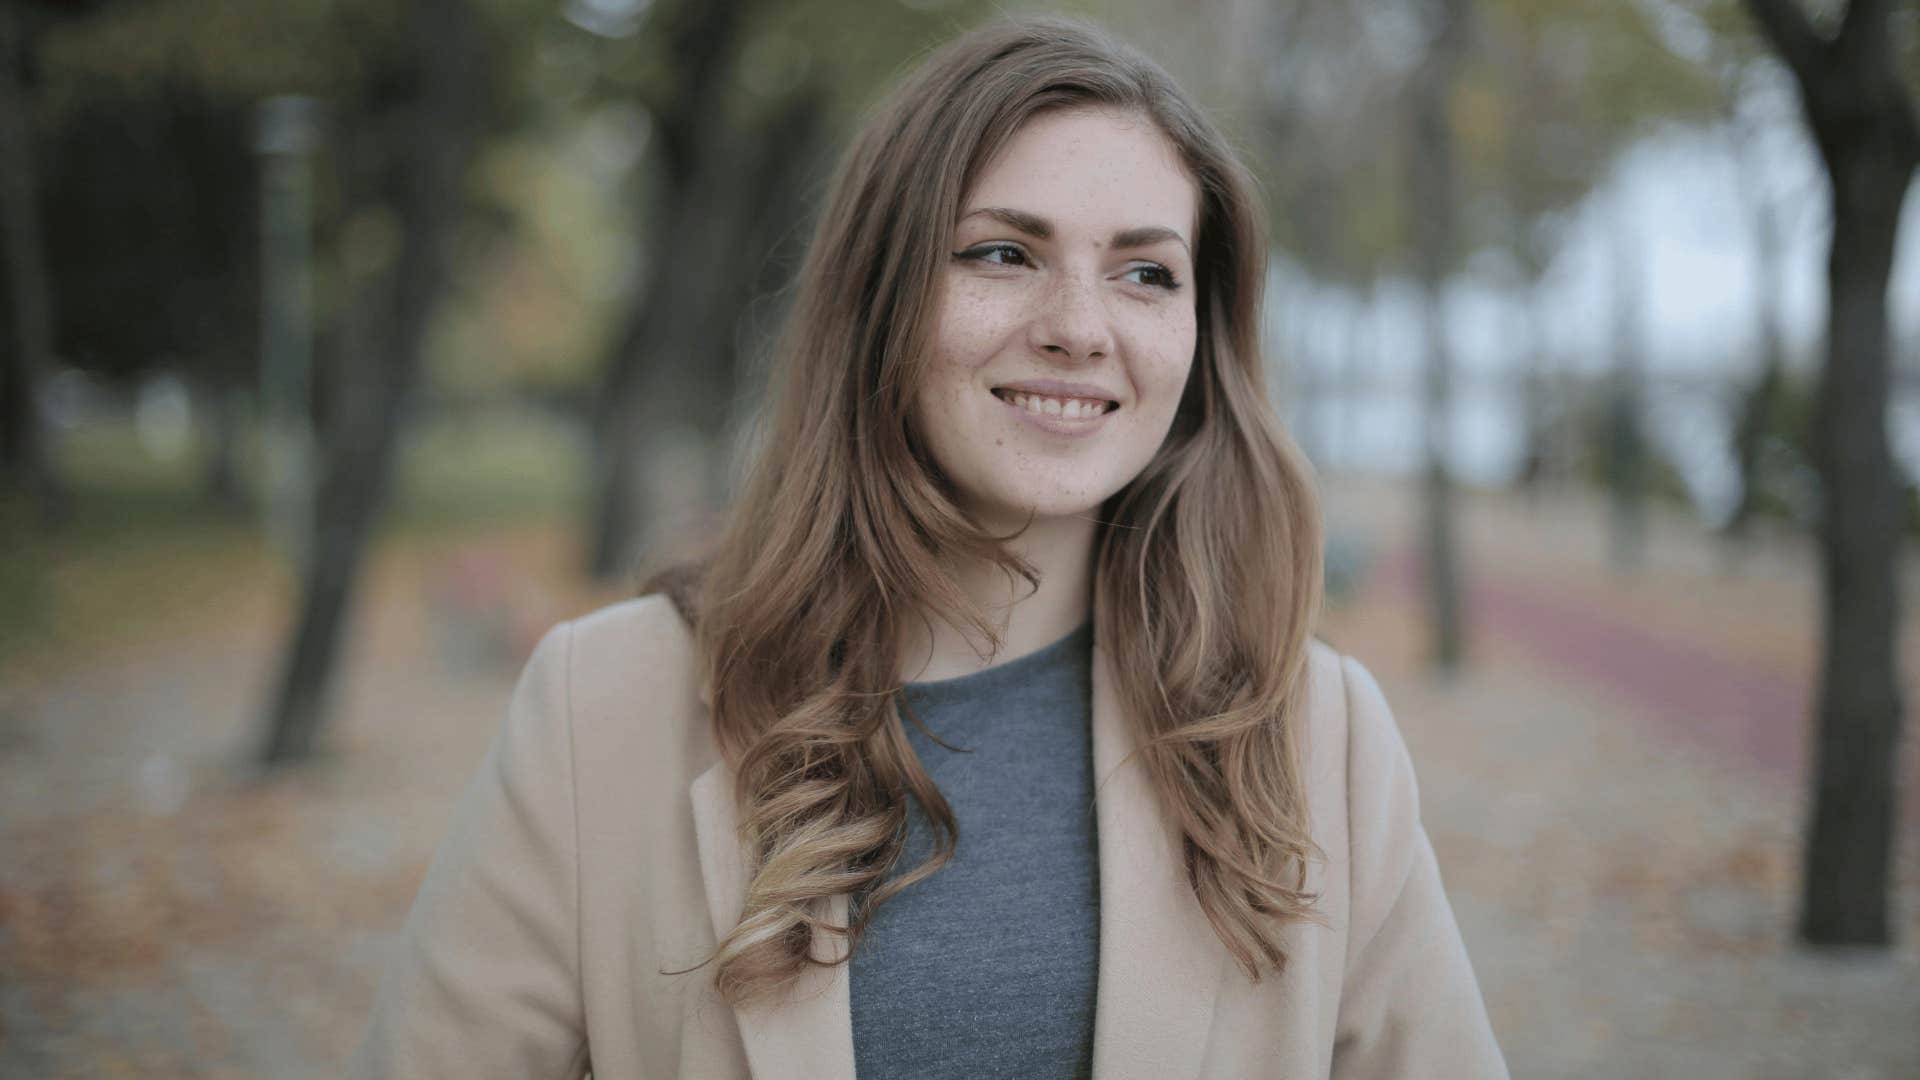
column 632, row 679
column 1367, row 800
column 1326, row 684
column 606, row 651
column 1349, row 719
column 643, row 638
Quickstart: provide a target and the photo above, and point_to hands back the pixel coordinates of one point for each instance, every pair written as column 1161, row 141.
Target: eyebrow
column 1040, row 228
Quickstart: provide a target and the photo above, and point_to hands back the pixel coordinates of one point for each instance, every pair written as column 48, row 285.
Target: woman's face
column 1065, row 326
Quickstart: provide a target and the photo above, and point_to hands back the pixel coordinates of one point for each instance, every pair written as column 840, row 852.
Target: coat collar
column 1160, row 961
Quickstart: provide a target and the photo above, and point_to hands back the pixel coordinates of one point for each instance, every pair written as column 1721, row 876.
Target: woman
column 991, row 739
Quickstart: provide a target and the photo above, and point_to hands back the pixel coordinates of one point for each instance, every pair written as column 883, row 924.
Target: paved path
column 1734, row 704
column 1620, row 843
column 1616, row 789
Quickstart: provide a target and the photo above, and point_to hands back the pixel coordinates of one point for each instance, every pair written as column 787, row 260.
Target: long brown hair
column 1207, row 569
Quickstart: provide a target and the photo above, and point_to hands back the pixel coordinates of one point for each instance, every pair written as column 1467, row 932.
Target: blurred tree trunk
column 27, row 355
column 1626, row 403
column 697, row 166
column 1307, row 388
column 1540, row 459
column 766, row 205
column 220, row 475
column 438, row 95
column 1361, row 359
column 1432, row 198
column 1351, row 327
column 778, row 230
column 1315, row 214
column 1530, row 87
column 1283, row 368
column 1760, row 404
column 1862, row 118
column 681, row 374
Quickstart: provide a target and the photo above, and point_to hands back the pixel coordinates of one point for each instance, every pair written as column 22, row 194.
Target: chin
column 1011, row 508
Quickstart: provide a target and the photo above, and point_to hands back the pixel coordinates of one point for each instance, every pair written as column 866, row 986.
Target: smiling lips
column 1062, row 407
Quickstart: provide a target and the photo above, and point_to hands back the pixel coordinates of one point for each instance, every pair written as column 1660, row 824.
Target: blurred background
column 349, row 344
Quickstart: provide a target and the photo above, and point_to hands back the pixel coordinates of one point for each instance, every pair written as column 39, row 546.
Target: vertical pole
column 284, row 135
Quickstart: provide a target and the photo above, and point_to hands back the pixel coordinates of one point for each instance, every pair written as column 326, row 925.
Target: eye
column 1153, row 274
column 997, row 254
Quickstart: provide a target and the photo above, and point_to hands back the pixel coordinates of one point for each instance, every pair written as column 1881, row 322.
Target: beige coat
column 597, row 847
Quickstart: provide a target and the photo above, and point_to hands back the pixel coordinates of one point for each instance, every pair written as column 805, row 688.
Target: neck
column 1061, row 550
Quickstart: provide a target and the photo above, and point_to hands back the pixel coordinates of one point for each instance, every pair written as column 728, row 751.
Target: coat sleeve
column 485, row 978
column 1409, row 1005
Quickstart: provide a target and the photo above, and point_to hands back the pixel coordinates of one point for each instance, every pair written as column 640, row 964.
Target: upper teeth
column 1065, row 408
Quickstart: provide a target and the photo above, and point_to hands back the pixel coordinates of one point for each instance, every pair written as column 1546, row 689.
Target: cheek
column 1166, row 347
column 973, row 324
column 962, row 342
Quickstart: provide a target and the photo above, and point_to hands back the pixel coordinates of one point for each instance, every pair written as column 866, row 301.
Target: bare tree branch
column 1865, row 17
column 1793, row 36
column 1864, row 47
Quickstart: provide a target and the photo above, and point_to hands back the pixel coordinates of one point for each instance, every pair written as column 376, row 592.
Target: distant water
column 1659, row 259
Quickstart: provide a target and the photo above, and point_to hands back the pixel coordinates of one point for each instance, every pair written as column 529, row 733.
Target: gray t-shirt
column 989, row 967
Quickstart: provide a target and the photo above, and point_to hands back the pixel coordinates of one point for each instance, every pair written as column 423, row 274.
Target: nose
column 1071, row 325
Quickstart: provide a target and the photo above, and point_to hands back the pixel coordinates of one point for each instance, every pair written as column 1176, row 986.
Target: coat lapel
column 1160, row 961
column 808, row 1035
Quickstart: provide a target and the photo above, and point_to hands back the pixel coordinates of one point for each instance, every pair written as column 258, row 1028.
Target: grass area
column 143, row 551
column 501, row 465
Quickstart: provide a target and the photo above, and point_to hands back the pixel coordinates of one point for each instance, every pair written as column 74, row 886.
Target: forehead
column 1101, row 169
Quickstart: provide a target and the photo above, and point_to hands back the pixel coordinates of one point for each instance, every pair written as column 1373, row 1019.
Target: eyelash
column 1168, row 282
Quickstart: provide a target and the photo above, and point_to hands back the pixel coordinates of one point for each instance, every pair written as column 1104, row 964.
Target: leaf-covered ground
column 1614, row 787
